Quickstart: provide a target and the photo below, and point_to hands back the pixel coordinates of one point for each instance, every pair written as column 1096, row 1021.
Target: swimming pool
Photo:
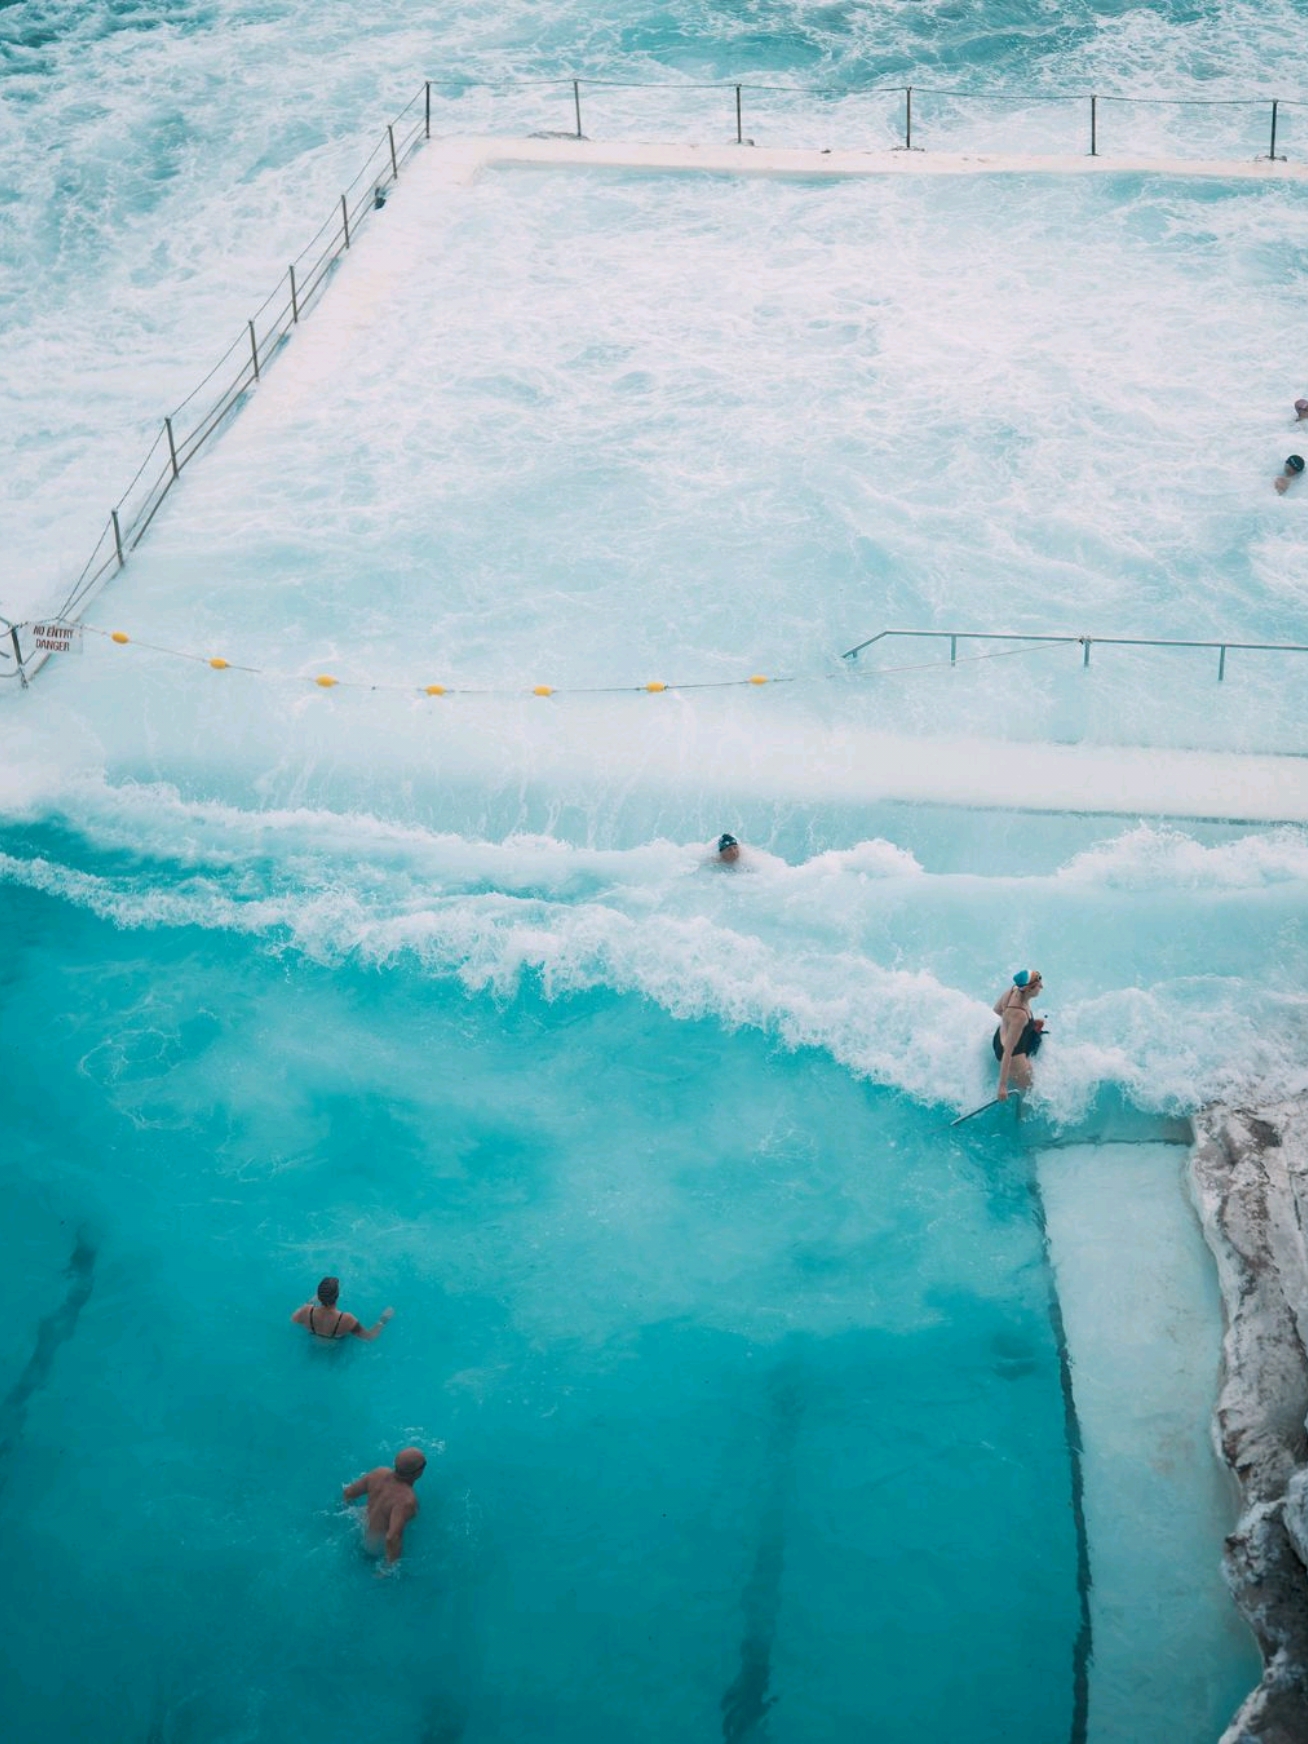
column 734, row 1374
column 739, row 1372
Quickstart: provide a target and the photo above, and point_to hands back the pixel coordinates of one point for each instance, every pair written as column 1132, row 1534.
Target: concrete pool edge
column 1249, row 1177
column 463, row 156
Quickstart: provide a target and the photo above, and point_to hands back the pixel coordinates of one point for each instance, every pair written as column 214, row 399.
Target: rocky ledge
column 1250, row 1176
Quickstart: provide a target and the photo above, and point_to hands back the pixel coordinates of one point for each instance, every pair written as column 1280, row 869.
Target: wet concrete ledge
column 1249, row 1173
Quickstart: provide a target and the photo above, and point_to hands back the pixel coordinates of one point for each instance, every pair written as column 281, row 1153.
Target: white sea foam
column 726, row 463
column 730, row 448
column 859, row 952
column 1151, row 857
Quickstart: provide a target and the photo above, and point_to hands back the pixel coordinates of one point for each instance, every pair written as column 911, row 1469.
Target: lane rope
column 756, row 680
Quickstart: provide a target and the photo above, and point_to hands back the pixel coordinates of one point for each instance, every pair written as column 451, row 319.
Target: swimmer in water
column 728, row 851
column 1300, row 411
column 391, row 1501
column 323, row 1319
column 1285, row 478
column 1017, row 1040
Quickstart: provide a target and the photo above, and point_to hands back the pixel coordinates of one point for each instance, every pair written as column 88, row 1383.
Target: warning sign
column 57, row 638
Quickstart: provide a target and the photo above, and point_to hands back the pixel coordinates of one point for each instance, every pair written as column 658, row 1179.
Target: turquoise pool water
column 721, row 1356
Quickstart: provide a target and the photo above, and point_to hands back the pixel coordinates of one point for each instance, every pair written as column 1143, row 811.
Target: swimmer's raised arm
column 359, row 1487
column 358, row 1330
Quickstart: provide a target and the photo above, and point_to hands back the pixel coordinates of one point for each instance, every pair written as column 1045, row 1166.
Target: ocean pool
column 740, row 1373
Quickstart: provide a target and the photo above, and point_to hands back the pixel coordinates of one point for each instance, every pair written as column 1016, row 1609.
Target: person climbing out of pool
column 1286, row 477
column 391, row 1501
column 728, row 850
column 1017, row 1040
column 323, row 1319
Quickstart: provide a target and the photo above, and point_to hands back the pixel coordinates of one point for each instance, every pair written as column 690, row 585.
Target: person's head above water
column 1294, row 465
column 410, row 1463
column 1028, row 979
column 728, row 847
column 1300, row 410
column 328, row 1291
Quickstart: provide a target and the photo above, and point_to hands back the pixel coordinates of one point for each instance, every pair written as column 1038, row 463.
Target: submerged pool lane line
column 746, row 1701
column 55, row 1330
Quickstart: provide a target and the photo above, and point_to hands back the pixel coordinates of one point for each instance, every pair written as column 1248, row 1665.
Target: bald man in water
column 391, row 1501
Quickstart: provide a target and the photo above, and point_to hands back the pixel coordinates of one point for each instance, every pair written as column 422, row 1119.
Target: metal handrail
column 574, row 86
column 954, row 637
column 189, row 427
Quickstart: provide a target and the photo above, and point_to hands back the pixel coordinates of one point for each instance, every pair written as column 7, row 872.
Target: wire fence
column 822, row 117
column 189, row 426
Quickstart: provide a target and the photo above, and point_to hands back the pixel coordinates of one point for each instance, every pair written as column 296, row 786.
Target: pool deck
column 456, row 159
column 1005, row 774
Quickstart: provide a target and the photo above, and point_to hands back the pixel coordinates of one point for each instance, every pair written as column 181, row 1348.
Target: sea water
column 739, row 1376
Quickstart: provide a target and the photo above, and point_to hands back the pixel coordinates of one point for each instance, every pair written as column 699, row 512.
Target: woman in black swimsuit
column 1017, row 1040
column 324, row 1320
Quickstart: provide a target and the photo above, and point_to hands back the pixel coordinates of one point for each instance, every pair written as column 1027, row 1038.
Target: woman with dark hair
column 323, row 1319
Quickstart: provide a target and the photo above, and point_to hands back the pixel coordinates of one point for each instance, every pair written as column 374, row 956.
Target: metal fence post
column 18, row 654
column 428, row 108
column 390, row 134
column 345, row 220
column 1094, row 127
column 254, row 349
column 1272, row 149
column 295, row 301
column 576, row 103
column 908, row 118
column 172, row 447
column 118, row 538
column 740, row 132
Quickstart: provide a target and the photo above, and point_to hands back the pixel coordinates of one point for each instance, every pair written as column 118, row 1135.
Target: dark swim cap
column 725, row 841
column 1294, row 463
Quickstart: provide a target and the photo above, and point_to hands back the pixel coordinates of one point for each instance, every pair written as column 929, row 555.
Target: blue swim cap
column 726, row 841
column 1295, row 463
column 1021, row 978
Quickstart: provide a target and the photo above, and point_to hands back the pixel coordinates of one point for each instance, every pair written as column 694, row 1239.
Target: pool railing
column 1021, row 637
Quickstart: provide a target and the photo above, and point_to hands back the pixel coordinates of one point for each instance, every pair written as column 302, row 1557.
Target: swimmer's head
column 410, row 1463
column 1028, row 978
column 728, row 847
column 1301, row 410
column 1294, row 465
column 328, row 1291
